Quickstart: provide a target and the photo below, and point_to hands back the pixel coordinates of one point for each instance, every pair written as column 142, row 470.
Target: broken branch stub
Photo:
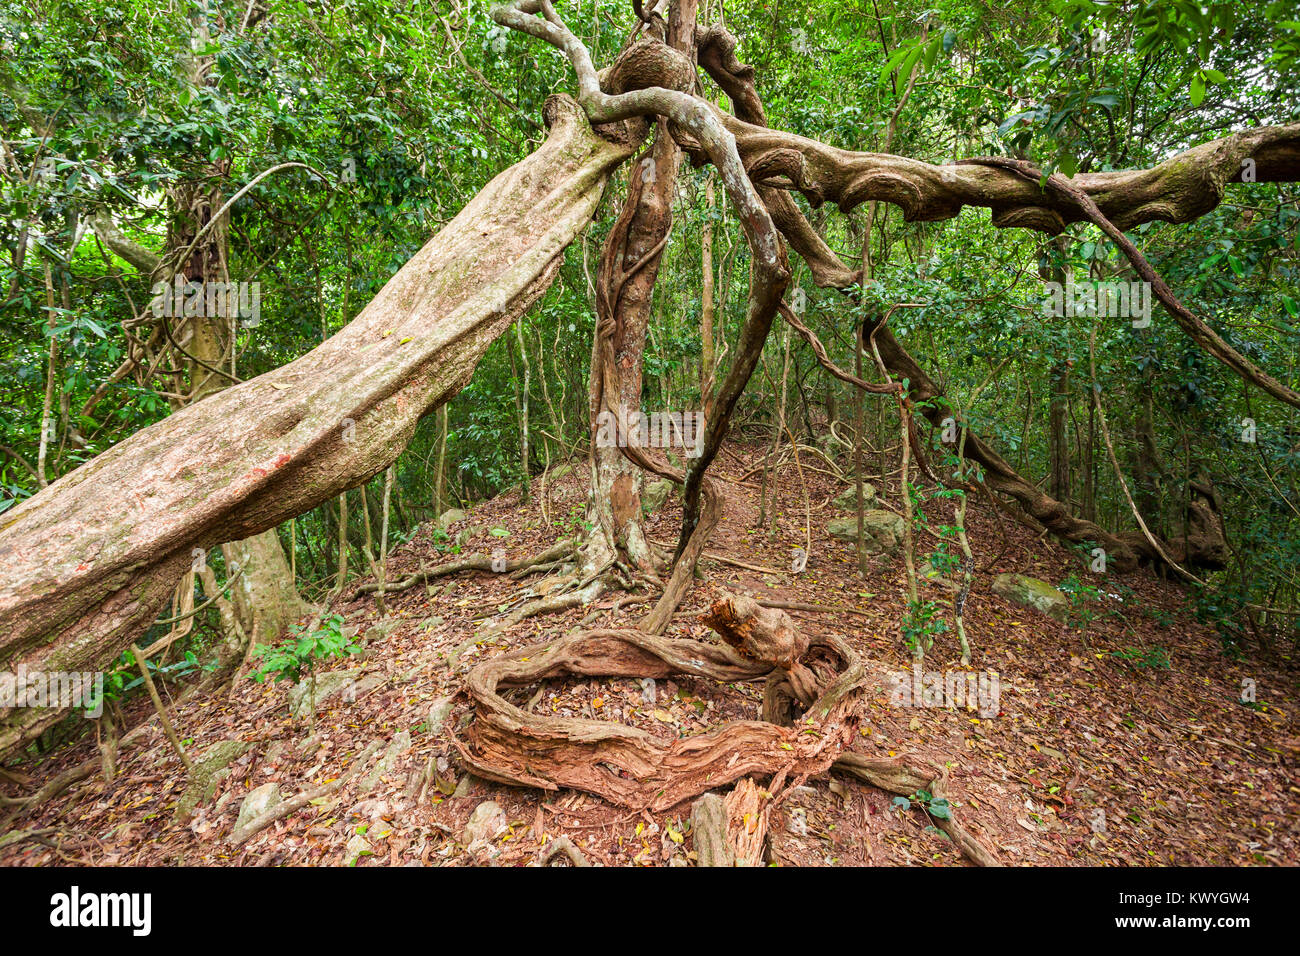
column 757, row 633
column 731, row 830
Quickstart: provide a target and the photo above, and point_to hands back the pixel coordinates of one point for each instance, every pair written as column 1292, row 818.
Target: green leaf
column 931, row 52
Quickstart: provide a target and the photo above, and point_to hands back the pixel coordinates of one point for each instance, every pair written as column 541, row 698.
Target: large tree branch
column 1197, row 330
column 147, row 261
column 1179, row 189
column 87, row 563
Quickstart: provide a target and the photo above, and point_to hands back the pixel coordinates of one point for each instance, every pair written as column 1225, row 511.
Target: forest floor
column 1099, row 755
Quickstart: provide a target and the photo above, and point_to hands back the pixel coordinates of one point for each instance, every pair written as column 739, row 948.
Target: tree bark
column 90, row 560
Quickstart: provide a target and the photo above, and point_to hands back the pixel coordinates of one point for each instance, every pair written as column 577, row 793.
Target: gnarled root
column 476, row 562
column 897, row 777
column 625, row 765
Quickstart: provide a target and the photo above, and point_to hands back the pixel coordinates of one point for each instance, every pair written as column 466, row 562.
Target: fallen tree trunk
column 86, row 564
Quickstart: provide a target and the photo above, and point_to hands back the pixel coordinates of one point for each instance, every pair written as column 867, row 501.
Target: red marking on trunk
column 283, row 460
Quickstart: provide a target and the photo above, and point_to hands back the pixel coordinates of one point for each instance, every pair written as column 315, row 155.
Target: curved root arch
column 810, row 705
column 628, row 766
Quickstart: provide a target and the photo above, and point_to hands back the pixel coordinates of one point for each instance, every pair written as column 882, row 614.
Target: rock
column 486, row 823
column 655, row 495
column 400, row 742
column 438, row 714
column 207, row 773
column 450, row 517
column 357, row 847
column 883, row 530
column 377, row 632
column 327, row 685
column 464, row 785
column 847, row 500
column 1033, row 593
column 256, row 803
column 558, row 472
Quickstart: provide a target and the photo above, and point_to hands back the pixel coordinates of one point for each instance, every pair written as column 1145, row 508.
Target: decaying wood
column 731, row 830
column 758, row 633
column 747, row 811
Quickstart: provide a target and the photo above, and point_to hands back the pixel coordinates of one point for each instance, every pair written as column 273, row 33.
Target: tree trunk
column 629, row 267
column 91, row 559
column 706, row 295
column 1058, row 442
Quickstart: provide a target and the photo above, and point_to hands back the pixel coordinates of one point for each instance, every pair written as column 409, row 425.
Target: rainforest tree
column 1151, row 148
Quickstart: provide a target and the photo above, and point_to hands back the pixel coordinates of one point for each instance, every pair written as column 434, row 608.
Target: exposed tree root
column 293, row 804
column 809, row 717
column 551, row 557
column 545, row 605
column 812, row 608
column 625, row 765
column 897, row 777
column 562, row 846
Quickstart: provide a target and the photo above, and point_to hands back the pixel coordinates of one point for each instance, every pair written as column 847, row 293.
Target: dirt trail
column 1098, row 754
